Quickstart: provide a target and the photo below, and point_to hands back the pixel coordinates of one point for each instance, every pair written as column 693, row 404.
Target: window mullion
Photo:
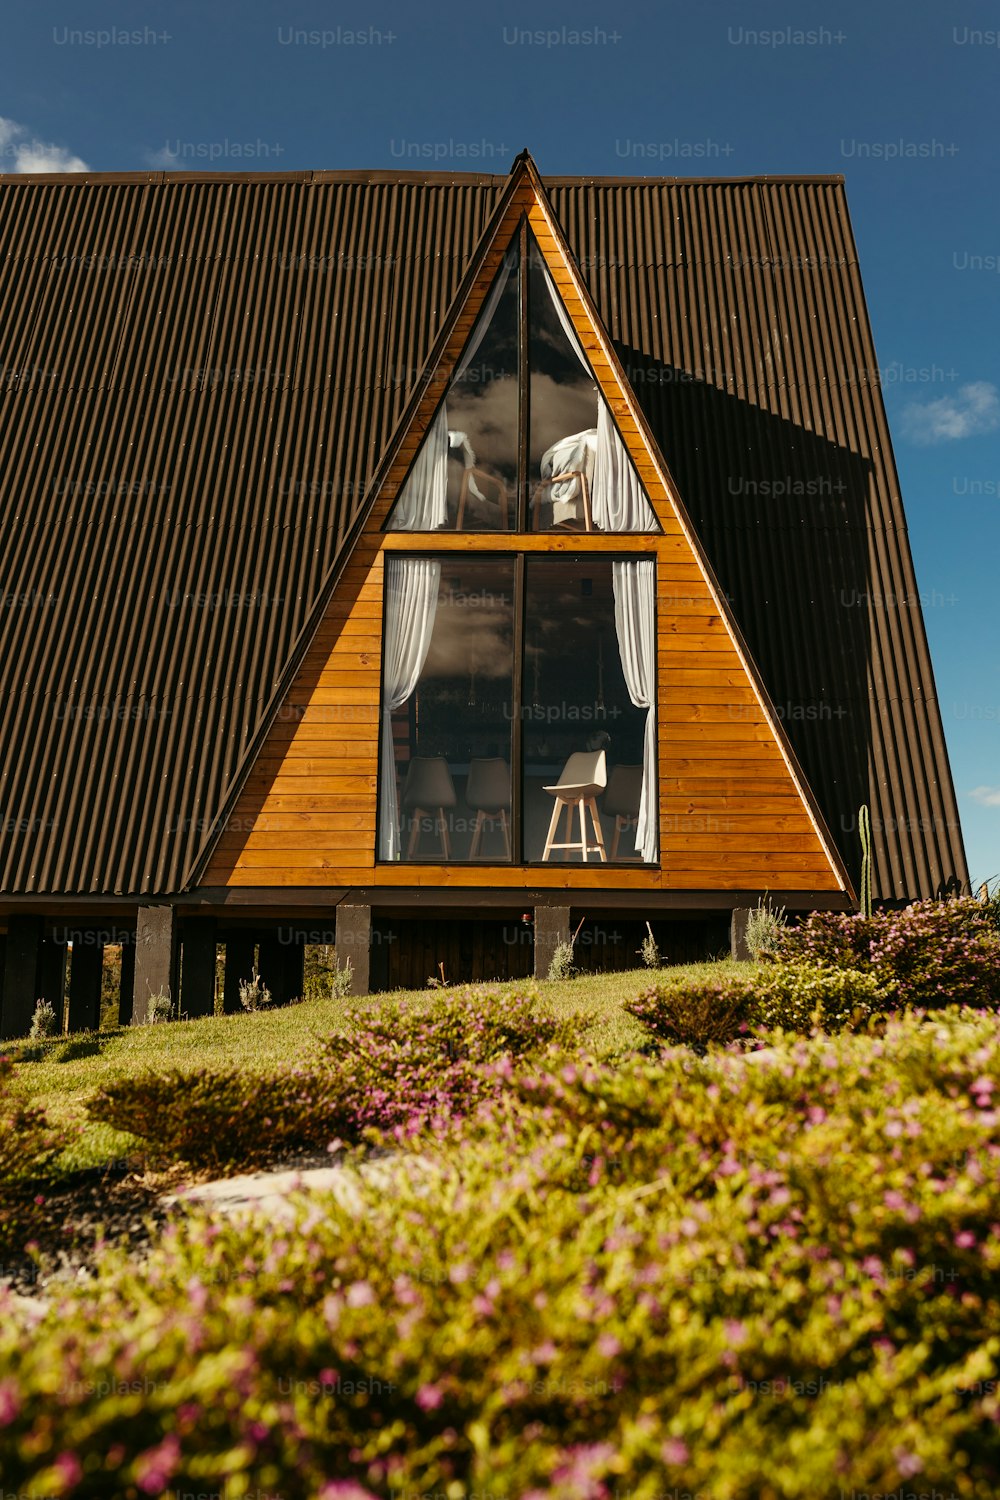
column 523, row 384
column 517, row 693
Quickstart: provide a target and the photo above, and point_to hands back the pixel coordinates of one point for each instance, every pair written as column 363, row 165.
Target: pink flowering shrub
column 394, row 1068
column 771, row 1275
column 939, row 953
column 931, row 953
column 27, row 1147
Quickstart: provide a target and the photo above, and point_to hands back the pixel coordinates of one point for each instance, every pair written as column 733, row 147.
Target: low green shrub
column 160, row 1008
column 724, row 1276
column 765, row 926
column 793, row 996
column 392, row 1068
column 217, row 1119
column 800, row 996
column 254, row 993
column 43, row 1021
column 28, row 1146
column 561, row 964
column 697, row 1013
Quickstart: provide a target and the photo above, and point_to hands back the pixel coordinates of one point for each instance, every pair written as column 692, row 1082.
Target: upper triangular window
column 566, row 469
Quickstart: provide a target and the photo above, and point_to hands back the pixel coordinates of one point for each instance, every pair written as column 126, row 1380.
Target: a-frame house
column 451, row 619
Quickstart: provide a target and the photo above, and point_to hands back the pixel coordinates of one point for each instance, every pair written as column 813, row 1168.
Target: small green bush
column 800, row 996
column 43, row 1022
column 764, row 928
column 698, row 1014
column 254, row 993
column 561, row 963
column 781, row 996
column 160, row 1009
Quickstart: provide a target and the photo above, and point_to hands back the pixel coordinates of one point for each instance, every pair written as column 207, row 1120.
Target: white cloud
column 988, row 796
column 20, row 151
column 974, row 409
column 164, row 160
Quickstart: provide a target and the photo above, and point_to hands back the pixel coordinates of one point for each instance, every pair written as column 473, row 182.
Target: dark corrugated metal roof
column 199, row 375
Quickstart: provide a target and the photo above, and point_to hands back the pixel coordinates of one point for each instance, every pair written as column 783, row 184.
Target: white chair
column 621, row 802
column 488, row 793
column 567, row 470
column 584, row 777
column 428, row 787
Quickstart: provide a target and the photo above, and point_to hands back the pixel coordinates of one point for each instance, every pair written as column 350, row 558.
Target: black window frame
column 520, row 559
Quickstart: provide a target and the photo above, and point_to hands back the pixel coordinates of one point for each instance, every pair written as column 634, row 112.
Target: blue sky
column 899, row 95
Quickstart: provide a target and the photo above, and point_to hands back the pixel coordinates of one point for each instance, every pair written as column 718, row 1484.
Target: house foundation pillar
column 155, row 958
column 738, row 932
column 21, row 975
column 551, row 929
column 354, row 945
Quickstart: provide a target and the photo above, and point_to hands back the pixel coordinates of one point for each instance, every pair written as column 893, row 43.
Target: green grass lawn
column 63, row 1073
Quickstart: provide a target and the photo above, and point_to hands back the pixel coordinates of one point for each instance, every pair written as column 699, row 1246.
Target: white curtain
column 564, row 319
column 619, row 501
column 412, row 585
column 635, row 621
column 423, row 501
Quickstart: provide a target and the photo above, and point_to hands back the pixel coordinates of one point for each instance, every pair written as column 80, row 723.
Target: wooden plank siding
column 731, row 814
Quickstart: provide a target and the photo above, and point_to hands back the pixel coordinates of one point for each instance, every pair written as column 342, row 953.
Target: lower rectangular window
column 518, row 714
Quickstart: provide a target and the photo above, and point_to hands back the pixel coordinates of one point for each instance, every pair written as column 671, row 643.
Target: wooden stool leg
column 598, row 831
column 583, row 832
column 477, row 834
column 463, row 495
column 551, row 835
column 444, row 833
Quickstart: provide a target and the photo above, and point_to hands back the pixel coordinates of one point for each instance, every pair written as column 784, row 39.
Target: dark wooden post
column 85, row 972
column 239, row 966
column 52, row 976
column 155, row 958
column 198, row 967
column 21, row 974
column 293, row 951
column 127, row 980
column 354, row 945
column 271, row 967
column 551, row 929
column 738, row 932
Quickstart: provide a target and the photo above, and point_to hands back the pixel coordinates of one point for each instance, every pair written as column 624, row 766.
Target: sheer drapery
column 635, row 621
column 619, row 501
column 412, row 586
column 423, row 502
column 564, row 319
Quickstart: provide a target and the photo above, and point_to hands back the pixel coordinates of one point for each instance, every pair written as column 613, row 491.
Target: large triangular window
column 523, row 439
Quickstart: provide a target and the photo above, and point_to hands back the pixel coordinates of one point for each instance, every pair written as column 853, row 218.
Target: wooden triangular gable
column 735, row 811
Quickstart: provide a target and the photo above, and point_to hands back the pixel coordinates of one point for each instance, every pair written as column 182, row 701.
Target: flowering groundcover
column 736, row 1276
